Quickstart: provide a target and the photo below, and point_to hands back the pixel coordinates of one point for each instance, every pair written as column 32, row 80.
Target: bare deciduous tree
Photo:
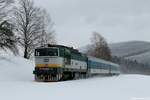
column 31, row 24
column 99, row 47
column 48, row 34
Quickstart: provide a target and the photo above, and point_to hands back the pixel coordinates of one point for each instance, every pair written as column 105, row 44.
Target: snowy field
column 17, row 83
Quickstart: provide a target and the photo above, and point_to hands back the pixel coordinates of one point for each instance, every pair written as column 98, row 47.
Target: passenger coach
column 99, row 66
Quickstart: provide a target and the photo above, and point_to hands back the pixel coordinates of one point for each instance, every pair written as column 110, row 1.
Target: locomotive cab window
column 46, row 52
column 52, row 52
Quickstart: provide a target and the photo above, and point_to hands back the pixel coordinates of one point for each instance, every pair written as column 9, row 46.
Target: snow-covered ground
column 17, row 83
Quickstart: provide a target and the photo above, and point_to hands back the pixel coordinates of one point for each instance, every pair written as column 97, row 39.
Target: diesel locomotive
column 58, row 63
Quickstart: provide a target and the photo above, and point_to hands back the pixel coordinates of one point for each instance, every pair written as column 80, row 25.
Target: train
column 59, row 63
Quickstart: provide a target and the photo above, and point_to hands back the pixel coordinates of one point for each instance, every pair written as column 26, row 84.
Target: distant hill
column 134, row 50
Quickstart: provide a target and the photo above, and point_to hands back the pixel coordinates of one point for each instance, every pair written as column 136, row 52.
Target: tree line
column 24, row 25
column 131, row 66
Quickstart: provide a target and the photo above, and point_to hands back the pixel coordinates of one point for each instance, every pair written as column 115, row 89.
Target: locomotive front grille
column 46, row 60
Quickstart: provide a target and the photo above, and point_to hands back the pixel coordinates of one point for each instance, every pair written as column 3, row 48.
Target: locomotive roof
column 62, row 46
column 51, row 45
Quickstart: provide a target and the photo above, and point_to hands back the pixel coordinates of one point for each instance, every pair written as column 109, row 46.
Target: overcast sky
column 116, row 20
